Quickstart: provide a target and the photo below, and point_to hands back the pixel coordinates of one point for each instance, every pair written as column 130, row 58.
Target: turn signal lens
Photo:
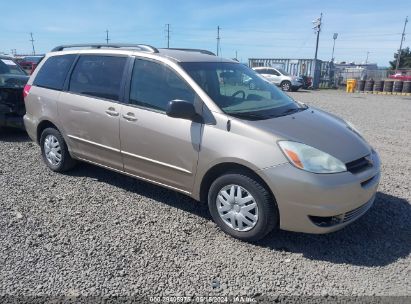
column 310, row 159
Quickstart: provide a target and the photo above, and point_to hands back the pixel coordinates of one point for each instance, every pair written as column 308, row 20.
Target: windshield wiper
column 249, row 115
column 291, row 111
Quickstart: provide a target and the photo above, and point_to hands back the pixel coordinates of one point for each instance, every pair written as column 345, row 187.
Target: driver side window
column 153, row 85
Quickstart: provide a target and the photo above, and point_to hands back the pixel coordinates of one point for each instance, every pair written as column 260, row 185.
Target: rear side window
column 54, row 71
column 98, row 76
column 153, row 85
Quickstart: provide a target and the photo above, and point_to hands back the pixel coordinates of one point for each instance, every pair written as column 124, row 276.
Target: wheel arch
column 44, row 124
column 223, row 168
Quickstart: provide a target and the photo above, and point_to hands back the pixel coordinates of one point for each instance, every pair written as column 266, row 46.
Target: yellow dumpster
column 351, row 84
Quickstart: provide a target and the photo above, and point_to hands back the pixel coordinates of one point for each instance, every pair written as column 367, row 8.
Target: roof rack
column 140, row 47
column 207, row 52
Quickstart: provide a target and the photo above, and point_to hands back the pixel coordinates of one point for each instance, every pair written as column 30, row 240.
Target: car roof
column 259, row 68
column 176, row 55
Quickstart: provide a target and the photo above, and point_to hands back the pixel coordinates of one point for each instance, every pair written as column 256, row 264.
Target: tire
column 286, row 86
column 267, row 212
column 61, row 161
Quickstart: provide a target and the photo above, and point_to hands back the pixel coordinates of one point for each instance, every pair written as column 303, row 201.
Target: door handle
column 129, row 116
column 112, row 112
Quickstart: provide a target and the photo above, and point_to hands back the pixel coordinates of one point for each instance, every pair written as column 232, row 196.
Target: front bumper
column 321, row 203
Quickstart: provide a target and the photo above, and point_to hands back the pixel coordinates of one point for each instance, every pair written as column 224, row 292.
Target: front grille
column 329, row 221
column 356, row 213
column 358, row 165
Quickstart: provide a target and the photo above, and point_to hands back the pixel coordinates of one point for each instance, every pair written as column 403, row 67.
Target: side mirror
column 181, row 109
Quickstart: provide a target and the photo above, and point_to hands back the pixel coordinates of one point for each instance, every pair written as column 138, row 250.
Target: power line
column 107, row 40
column 32, row 43
column 402, row 39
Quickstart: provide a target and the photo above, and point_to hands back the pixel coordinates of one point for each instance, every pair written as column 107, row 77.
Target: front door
column 155, row 146
column 90, row 109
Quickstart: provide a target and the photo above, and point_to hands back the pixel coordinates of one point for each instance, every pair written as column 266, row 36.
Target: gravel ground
column 95, row 232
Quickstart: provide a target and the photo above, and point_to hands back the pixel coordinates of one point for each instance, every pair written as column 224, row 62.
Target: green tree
column 405, row 60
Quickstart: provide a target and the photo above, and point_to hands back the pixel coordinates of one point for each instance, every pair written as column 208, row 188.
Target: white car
column 280, row 78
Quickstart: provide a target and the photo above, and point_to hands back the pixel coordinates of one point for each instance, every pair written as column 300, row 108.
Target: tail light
column 26, row 90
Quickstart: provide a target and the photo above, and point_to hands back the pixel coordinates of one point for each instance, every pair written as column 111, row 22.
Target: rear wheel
column 54, row 151
column 242, row 207
column 286, row 86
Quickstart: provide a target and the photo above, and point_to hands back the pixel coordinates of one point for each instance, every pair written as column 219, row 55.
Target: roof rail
column 141, row 47
column 207, row 52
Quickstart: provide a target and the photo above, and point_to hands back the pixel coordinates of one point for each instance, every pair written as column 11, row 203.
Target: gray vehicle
column 280, row 78
column 190, row 121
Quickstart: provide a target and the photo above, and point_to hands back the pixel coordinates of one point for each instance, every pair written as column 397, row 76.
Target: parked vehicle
column 260, row 159
column 29, row 63
column 400, row 76
column 280, row 78
column 12, row 81
column 307, row 82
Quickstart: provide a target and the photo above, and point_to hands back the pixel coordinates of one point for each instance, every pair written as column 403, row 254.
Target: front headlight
column 311, row 159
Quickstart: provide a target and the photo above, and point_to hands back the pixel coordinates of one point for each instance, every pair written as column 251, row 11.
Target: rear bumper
column 321, row 203
column 30, row 125
column 10, row 119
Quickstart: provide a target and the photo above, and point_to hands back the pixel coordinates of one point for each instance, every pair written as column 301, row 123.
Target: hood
column 13, row 80
column 320, row 130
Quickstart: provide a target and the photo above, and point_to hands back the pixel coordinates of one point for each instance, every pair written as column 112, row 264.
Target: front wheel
column 286, row 86
column 242, row 207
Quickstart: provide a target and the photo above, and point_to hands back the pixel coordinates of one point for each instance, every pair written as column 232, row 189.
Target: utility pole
column 218, row 39
column 107, row 40
column 32, row 43
column 335, row 38
column 366, row 59
column 402, row 39
column 168, row 35
column 317, row 29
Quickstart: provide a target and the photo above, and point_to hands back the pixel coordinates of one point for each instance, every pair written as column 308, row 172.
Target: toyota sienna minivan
column 167, row 116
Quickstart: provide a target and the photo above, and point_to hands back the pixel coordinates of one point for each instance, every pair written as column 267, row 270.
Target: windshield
column 8, row 66
column 239, row 91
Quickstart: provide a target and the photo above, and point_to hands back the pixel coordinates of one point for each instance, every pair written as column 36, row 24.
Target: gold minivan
column 205, row 126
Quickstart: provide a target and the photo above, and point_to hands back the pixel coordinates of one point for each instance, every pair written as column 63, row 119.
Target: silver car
column 205, row 126
column 280, row 78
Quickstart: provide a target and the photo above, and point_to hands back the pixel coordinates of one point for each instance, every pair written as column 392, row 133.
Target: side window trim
column 122, row 84
column 68, row 76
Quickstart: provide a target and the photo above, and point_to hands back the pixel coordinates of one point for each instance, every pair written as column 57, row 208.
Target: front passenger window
column 153, row 85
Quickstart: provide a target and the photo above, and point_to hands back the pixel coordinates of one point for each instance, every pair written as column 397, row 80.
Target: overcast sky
column 270, row 29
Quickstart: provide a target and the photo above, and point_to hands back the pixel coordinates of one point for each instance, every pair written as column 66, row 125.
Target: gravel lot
column 95, row 232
